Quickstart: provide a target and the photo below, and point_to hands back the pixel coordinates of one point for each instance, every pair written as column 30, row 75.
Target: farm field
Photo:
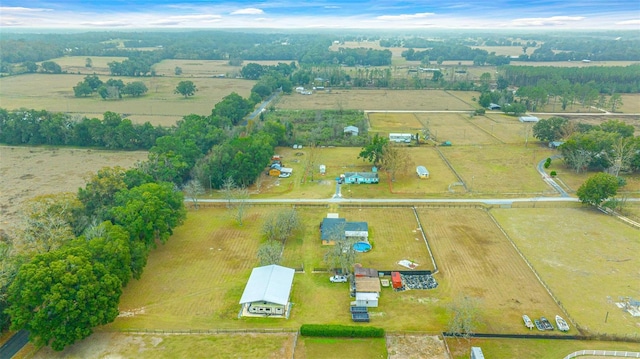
column 152, row 346
column 476, row 261
column 77, row 64
column 440, row 176
column 205, row 68
column 586, row 258
column 533, row 348
column 27, row 172
column 55, row 93
column 372, row 100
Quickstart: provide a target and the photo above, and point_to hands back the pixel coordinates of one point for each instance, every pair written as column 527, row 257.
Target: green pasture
column 322, row 348
column 532, row 348
column 588, row 260
column 77, row 64
column 55, row 93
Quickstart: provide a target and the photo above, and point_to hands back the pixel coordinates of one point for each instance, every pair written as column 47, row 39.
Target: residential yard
column 588, row 260
column 374, row 100
column 477, row 261
column 159, row 106
column 533, row 348
column 571, row 181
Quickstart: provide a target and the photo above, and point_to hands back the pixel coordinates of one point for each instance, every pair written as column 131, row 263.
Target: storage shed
column 396, row 280
column 528, row 119
column 323, row 169
column 476, row 353
column 367, row 299
column 422, row 172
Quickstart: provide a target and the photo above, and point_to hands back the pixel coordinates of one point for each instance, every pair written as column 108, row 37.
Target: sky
column 322, row 14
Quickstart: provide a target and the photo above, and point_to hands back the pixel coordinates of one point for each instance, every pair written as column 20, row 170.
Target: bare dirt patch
column 416, row 347
column 27, row 172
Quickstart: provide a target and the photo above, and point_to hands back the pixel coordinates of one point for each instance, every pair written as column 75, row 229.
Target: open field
column 381, row 100
column 477, row 261
column 588, row 260
column 153, row 346
column 27, row 172
column 573, row 63
column 76, row 64
column 533, row 348
column 323, row 348
column 205, row 68
column 55, row 93
column 504, row 170
column 440, row 176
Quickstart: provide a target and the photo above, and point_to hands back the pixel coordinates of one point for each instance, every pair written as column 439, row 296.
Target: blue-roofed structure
column 267, row 291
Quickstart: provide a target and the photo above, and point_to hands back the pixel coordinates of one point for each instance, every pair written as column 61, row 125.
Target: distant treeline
column 606, row 79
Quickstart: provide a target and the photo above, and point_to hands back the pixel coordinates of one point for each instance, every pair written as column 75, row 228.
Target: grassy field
column 588, row 260
column 76, row 64
column 477, row 261
column 571, row 180
column 372, row 100
column 505, row 169
column 323, row 348
column 27, row 172
column 533, row 348
column 160, row 105
column 150, row 346
column 205, row 68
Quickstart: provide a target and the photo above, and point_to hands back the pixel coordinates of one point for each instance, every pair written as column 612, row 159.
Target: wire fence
column 604, row 353
column 211, row 331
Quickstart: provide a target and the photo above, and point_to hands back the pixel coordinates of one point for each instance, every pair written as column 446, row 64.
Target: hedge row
column 344, row 331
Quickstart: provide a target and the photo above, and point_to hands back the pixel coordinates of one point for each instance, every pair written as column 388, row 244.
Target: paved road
column 548, row 179
column 488, row 201
column 14, row 344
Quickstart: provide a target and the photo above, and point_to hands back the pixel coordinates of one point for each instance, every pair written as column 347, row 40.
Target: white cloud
column 629, row 22
column 17, row 9
column 248, row 11
column 405, row 16
column 546, row 21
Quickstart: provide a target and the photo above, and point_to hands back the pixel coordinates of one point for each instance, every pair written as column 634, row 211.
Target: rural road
column 14, row 344
column 489, row 201
column 548, row 179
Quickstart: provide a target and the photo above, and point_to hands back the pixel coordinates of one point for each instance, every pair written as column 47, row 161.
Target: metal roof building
column 267, row 291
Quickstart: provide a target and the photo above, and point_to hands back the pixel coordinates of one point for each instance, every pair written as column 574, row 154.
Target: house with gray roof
column 333, row 229
column 267, row 292
column 361, row 177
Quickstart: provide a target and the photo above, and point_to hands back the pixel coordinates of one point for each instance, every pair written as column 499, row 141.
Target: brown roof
column 365, row 272
column 367, row 284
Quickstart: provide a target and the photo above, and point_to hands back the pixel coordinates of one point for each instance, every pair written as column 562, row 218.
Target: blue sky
column 322, row 14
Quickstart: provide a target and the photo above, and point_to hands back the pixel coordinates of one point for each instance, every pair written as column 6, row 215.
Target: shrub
column 553, row 173
column 341, row 331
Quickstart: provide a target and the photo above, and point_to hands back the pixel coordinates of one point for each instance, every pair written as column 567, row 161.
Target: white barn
column 528, row 119
column 267, row 292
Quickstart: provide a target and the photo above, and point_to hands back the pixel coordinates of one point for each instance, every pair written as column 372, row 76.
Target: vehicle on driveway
column 338, row 279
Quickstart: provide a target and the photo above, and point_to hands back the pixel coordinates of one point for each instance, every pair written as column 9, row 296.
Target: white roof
column 286, row 170
column 528, row 119
column 367, row 296
column 422, row 169
column 270, row 283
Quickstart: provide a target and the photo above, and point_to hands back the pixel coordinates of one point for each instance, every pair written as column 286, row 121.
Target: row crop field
column 588, row 260
column 159, row 106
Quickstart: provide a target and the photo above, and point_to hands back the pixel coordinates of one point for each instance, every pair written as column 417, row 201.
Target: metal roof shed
column 270, row 283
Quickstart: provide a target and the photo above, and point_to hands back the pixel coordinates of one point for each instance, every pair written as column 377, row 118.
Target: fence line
column 211, row 331
column 604, row 353
column 426, row 242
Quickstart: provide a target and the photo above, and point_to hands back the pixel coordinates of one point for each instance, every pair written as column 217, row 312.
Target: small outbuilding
column 359, row 271
column 396, row 280
column 422, row 172
column 476, row 353
column 323, row 169
column 267, row 292
column 351, row 131
column 367, row 299
column 493, row 106
column 528, row 119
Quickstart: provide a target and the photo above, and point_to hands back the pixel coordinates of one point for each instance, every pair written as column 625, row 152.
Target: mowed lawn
column 356, row 348
column 477, row 261
column 160, row 106
column 588, row 259
column 374, row 100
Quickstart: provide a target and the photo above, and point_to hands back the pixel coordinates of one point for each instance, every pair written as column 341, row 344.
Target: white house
column 267, row 292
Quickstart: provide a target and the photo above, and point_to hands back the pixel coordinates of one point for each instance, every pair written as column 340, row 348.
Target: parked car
column 338, row 279
column 285, row 175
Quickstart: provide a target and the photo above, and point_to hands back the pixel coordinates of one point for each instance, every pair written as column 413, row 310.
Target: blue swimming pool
column 361, row 247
